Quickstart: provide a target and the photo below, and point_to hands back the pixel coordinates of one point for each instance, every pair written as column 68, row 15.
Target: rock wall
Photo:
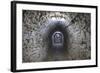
column 77, row 27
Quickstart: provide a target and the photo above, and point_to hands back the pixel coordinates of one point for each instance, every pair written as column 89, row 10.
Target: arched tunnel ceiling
column 38, row 24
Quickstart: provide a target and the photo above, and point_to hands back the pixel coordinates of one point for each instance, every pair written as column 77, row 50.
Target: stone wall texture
column 34, row 26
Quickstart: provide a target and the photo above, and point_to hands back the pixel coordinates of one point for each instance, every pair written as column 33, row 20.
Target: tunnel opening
column 57, row 29
column 57, row 39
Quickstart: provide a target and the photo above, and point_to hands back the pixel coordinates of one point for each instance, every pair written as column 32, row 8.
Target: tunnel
column 55, row 36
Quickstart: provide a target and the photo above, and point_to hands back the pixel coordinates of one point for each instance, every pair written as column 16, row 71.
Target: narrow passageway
column 55, row 36
column 57, row 45
column 56, row 39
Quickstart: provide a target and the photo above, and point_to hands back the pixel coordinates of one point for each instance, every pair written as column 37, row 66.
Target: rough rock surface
column 35, row 48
